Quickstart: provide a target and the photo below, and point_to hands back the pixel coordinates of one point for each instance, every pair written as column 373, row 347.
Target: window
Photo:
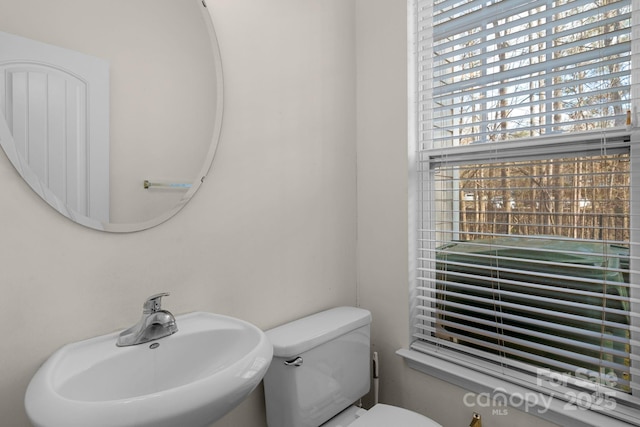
column 525, row 231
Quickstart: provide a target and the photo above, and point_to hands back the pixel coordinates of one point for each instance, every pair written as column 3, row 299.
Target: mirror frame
column 6, row 142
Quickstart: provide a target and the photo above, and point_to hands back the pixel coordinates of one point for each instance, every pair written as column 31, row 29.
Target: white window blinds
column 494, row 70
column 526, row 223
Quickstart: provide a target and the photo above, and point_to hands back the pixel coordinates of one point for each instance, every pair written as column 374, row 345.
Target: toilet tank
column 320, row 367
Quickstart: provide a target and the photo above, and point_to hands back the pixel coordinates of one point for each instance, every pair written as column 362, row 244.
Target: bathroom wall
column 269, row 237
column 382, row 218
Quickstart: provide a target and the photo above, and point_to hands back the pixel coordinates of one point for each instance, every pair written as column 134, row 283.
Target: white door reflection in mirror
column 55, row 104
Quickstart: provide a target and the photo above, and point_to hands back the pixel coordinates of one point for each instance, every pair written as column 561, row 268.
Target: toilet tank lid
column 294, row 338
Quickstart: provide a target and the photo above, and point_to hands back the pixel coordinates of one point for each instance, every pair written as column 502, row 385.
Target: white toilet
column 320, row 368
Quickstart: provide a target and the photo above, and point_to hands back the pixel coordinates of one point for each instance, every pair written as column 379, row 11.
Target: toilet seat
column 382, row 415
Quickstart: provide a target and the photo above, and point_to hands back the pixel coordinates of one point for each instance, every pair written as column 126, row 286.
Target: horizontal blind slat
column 511, row 339
column 534, row 72
column 471, row 302
column 566, row 292
column 545, row 361
column 446, row 55
column 430, row 323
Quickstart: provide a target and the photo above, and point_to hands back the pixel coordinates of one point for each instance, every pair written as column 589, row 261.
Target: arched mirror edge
column 215, row 140
column 82, row 220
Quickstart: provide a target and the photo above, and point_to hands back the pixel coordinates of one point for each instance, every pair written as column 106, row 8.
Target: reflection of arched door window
column 56, row 105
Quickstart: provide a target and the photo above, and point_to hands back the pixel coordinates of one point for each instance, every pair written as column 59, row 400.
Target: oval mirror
column 111, row 110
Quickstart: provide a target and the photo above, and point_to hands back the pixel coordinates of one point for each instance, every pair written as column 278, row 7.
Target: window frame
column 476, row 375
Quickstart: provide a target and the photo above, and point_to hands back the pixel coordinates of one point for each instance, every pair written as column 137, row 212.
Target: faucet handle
column 154, row 303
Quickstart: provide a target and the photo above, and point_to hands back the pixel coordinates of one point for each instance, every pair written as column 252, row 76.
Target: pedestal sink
column 189, row 379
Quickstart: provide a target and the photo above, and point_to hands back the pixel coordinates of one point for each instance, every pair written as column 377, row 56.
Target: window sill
column 519, row 397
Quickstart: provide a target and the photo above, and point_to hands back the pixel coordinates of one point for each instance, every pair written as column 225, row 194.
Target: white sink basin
column 188, row 379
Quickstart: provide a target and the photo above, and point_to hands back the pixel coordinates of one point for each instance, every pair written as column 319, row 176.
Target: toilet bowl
column 380, row 415
column 320, row 368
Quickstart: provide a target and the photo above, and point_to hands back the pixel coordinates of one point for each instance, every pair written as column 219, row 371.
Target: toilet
column 320, row 368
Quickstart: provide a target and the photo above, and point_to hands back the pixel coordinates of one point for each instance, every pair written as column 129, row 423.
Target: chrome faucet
column 154, row 324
